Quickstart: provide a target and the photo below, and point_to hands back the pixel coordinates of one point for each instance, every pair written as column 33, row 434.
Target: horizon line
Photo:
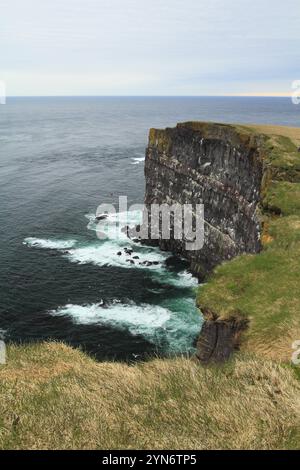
column 242, row 95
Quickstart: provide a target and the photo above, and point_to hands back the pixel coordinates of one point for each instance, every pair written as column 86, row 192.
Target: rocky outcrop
column 212, row 164
column 219, row 338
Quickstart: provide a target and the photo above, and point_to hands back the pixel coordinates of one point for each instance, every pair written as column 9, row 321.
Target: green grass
column 265, row 289
column 283, row 197
column 280, row 146
column 283, row 152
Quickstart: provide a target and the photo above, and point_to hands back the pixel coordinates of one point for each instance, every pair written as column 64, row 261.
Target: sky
column 149, row 47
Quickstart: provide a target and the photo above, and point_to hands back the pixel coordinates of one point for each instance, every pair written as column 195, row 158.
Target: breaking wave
column 48, row 243
column 107, row 254
column 158, row 324
column 112, row 251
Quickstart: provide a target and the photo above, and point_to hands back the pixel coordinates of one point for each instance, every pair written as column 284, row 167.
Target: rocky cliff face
column 222, row 167
column 218, row 338
column 219, row 166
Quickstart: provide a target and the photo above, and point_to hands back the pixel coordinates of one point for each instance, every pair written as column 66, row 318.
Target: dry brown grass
column 279, row 349
column 292, row 133
column 55, row 397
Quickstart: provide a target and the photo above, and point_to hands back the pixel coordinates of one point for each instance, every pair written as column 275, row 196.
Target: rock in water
column 101, row 216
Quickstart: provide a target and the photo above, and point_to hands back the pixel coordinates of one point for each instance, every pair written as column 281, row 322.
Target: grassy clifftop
column 52, row 396
column 265, row 288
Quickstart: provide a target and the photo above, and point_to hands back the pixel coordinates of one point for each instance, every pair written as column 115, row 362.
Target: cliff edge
column 248, row 178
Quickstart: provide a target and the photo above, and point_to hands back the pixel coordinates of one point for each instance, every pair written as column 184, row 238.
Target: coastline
column 249, row 402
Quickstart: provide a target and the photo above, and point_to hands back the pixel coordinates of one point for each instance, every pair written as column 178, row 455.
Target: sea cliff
column 248, row 178
column 251, row 300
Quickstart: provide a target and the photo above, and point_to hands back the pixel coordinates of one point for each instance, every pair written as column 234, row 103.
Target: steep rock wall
column 212, row 164
column 222, row 167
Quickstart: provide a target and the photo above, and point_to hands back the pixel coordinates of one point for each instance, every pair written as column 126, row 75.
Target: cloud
column 141, row 47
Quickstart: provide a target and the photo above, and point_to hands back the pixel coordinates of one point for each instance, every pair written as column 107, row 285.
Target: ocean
column 59, row 159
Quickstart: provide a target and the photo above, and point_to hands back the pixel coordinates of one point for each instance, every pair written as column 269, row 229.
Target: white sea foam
column 48, row 243
column 102, row 253
column 135, row 317
column 106, row 254
column 137, row 160
column 157, row 324
column 184, row 279
column 113, row 226
column 180, row 279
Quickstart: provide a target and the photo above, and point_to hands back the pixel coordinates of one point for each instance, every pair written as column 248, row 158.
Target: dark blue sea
column 59, row 159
